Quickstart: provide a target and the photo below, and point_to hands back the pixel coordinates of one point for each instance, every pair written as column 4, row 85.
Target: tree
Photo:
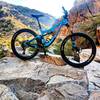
column 1, row 12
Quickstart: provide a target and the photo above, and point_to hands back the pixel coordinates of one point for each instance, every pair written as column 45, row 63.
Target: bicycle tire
column 80, row 65
column 13, row 44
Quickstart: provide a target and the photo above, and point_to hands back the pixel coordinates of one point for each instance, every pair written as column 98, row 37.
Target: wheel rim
column 81, row 54
column 22, row 49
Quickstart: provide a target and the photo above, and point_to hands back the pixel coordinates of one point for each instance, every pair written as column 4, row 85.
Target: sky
column 52, row 7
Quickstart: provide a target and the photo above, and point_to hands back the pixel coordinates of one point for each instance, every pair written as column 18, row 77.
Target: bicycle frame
column 45, row 43
column 64, row 22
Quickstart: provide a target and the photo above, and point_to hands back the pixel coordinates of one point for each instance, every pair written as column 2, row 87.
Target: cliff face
column 85, row 17
column 84, row 7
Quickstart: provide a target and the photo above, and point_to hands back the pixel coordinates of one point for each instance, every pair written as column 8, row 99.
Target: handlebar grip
column 63, row 8
column 65, row 11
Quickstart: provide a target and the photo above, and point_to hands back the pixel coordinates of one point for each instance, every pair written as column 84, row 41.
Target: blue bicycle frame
column 64, row 21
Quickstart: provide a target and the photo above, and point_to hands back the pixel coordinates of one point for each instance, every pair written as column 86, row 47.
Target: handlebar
column 65, row 11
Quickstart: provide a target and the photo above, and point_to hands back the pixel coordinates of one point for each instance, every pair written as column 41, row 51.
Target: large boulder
column 38, row 80
column 65, row 91
column 13, row 68
column 93, row 73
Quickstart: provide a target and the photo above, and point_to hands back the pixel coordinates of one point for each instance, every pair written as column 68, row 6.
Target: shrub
column 90, row 26
column 67, row 48
column 1, row 52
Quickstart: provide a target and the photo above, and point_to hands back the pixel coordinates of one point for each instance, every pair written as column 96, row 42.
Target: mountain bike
column 27, row 43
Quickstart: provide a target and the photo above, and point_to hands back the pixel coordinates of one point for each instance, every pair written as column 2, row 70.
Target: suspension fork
column 76, row 50
column 73, row 39
column 71, row 33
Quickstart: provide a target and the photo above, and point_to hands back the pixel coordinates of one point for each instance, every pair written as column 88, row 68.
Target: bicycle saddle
column 37, row 16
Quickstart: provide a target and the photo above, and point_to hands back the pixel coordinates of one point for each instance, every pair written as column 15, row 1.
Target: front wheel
column 78, row 50
column 19, row 44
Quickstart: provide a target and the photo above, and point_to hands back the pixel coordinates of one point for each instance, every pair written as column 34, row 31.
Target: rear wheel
column 19, row 44
column 78, row 52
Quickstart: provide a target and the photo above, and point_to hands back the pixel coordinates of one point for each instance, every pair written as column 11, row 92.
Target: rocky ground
column 38, row 80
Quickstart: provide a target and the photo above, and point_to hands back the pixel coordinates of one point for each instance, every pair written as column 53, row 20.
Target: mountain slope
column 85, row 7
column 13, row 18
column 24, row 15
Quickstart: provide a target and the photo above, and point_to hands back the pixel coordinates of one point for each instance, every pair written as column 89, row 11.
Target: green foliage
column 90, row 26
column 57, row 49
column 67, row 48
column 1, row 12
column 6, row 26
column 1, row 52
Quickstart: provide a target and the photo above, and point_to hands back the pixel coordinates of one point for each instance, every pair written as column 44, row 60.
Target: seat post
column 37, row 18
column 39, row 23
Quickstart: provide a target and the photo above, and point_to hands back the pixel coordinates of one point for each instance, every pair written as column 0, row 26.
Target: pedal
column 44, row 51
